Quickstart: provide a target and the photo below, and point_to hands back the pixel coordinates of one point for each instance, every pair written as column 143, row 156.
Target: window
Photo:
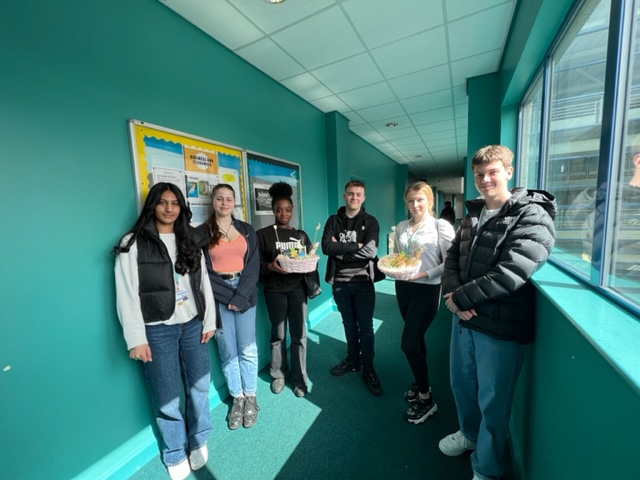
column 577, row 70
column 579, row 139
column 622, row 266
column 530, row 138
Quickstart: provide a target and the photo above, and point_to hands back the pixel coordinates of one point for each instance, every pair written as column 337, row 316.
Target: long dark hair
column 188, row 255
column 280, row 191
column 213, row 230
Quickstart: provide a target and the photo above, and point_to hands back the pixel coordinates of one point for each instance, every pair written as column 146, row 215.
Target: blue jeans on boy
column 180, row 364
column 238, row 349
column 484, row 372
column 356, row 302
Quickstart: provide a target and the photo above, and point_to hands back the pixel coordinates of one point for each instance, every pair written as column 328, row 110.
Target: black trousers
column 418, row 305
column 288, row 307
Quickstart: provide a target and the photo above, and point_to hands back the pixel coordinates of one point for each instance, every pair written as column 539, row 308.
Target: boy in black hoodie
column 350, row 240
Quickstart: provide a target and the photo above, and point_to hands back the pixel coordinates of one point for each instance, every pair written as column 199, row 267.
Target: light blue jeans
column 484, row 372
column 238, row 349
column 180, row 365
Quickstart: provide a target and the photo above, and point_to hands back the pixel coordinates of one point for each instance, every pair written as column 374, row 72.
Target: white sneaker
column 198, row 458
column 179, row 471
column 456, row 444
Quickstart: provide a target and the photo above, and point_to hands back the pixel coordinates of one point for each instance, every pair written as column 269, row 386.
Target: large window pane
column 530, row 124
column 575, row 119
column 624, row 240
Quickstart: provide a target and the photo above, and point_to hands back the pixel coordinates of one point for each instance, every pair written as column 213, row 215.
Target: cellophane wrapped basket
column 305, row 264
column 408, row 268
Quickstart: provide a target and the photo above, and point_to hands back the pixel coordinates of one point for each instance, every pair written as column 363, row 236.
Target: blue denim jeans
column 180, row 365
column 484, row 372
column 356, row 302
column 238, row 349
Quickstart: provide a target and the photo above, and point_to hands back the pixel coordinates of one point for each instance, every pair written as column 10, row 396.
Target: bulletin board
column 194, row 164
column 264, row 171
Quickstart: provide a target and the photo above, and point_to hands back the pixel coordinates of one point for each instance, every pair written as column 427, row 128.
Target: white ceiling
column 374, row 61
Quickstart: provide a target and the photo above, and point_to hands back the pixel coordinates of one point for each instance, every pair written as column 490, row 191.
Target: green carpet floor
column 340, row 430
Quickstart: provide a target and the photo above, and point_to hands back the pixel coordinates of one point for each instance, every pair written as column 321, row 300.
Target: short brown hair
column 353, row 183
column 425, row 189
column 493, row 153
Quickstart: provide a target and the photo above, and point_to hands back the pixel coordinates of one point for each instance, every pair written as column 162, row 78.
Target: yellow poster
column 192, row 163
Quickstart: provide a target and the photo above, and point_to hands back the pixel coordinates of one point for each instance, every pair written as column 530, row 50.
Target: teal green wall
column 574, row 416
column 73, row 73
column 484, row 122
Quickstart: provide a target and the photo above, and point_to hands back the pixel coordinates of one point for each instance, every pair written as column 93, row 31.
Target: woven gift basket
column 305, row 264
column 407, row 270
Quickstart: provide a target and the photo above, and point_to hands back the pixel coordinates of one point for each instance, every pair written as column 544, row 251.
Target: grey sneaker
column 250, row 411
column 277, row 385
column 456, row 444
column 234, row 419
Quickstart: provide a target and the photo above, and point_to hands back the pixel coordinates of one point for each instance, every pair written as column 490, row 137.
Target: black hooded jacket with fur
column 488, row 268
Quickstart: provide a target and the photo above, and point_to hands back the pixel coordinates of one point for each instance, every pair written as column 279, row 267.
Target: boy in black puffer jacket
column 505, row 238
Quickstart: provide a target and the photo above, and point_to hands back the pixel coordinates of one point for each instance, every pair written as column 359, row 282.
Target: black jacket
column 345, row 253
column 246, row 295
column 157, row 285
column 488, row 269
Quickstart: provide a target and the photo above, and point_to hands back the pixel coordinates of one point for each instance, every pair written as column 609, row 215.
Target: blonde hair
column 493, row 153
column 425, row 189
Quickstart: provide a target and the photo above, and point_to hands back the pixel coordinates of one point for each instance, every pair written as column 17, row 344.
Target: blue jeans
column 356, row 302
column 484, row 372
column 180, row 364
column 238, row 349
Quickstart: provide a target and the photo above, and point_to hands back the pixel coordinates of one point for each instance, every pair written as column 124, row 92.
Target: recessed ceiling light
column 391, row 124
column 275, row 1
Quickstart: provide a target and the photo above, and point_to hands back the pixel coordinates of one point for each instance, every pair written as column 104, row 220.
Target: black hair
column 280, row 191
column 188, row 257
column 213, row 230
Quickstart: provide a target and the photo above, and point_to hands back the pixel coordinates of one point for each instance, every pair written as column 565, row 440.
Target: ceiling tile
column 431, row 101
column 474, row 66
column 429, row 137
column 420, row 48
column 354, row 118
column 307, row 86
column 432, row 116
column 368, row 96
column 424, row 81
column 319, row 40
column 461, row 8
column 390, row 110
column 330, row 104
column 271, row 17
column 350, row 73
column 382, row 21
column 461, row 110
column 460, row 94
column 401, row 119
column 412, row 140
column 394, row 133
column 465, row 40
column 217, row 19
column 270, row 58
column 435, row 127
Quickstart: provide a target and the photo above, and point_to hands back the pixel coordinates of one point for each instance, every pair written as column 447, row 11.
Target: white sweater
column 434, row 236
column 128, row 298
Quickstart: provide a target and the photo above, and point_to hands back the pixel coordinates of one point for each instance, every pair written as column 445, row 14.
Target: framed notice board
column 193, row 163
column 264, row 171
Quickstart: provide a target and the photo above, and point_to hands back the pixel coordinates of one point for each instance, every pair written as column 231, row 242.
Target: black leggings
column 418, row 305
